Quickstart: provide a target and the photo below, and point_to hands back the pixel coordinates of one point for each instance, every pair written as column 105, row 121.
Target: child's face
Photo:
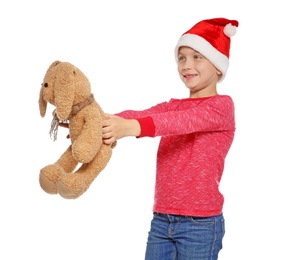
column 198, row 74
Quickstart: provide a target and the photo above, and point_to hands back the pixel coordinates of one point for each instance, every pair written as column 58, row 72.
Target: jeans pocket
column 202, row 220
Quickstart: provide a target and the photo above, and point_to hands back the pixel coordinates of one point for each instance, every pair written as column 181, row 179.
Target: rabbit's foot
column 71, row 186
column 48, row 178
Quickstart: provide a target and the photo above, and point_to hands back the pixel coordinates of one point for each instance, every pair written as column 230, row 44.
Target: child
column 196, row 135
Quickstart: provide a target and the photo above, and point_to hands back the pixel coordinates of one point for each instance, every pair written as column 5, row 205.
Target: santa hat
column 211, row 38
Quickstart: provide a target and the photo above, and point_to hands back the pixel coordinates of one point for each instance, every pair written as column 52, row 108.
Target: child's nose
column 188, row 64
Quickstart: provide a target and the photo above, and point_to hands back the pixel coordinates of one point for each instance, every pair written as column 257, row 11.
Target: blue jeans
column 174, row 237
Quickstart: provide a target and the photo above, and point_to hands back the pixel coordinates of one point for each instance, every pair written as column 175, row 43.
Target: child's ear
column 219, row 74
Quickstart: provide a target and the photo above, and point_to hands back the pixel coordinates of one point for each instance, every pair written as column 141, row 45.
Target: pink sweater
column 196, row 135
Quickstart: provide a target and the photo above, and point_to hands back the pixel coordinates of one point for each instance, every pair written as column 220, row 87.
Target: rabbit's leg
column 73, row 185
column 51, row 174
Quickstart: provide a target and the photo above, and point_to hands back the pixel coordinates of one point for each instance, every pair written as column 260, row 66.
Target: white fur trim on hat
column 218, row 59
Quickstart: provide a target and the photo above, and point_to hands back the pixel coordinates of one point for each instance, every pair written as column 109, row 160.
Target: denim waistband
column 180, row 216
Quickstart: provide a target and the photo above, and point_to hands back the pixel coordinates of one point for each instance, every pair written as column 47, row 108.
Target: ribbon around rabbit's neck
column 75, row 109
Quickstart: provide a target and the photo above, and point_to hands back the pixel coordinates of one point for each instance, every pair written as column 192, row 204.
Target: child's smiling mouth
column 189, row 76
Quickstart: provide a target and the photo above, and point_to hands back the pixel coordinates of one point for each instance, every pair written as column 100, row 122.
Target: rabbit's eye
column 45, row 84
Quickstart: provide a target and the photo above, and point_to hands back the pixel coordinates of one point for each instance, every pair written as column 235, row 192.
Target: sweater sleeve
column 208, row 115
column 178, row 117
column 147, row 126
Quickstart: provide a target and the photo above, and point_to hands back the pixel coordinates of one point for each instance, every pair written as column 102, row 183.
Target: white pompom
column 230, row 30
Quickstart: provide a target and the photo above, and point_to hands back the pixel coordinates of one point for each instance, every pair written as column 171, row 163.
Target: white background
column 126, row 49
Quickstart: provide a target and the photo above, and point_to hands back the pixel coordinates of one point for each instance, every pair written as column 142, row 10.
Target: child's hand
column 115, row 127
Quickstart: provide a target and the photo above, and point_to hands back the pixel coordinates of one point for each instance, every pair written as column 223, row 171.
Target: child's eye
column 198, row 57
column 181, row 58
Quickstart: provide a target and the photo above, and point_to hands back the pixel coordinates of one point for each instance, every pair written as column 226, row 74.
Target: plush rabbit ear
column 42, row 103
column 64, row 89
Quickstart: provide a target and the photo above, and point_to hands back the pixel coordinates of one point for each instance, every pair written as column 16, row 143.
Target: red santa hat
column 211, row 38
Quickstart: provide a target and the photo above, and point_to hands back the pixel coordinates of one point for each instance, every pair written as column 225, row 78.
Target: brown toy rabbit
column 69, row 90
